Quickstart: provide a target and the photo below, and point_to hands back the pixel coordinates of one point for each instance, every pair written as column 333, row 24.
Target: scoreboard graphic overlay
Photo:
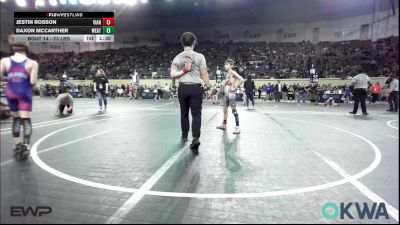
column 64, row 26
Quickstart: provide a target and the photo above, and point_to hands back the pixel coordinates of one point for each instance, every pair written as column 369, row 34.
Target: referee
column 190, row 67
column 393, row 94
column 249, row 88
column 361, row 83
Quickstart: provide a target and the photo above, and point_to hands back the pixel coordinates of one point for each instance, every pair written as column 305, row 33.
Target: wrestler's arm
column 34, row 72
column 238, row 77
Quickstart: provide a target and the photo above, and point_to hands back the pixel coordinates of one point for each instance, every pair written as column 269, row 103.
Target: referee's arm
column 353, row 82
column 107, row 85
column 204, row 72
column 174, row 70
column 175, row 74
column 205, row 77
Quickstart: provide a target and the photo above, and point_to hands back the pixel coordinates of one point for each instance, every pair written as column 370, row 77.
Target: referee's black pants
column 393, row 100
column 249, row 96
column 360, row 96
column 190, row 96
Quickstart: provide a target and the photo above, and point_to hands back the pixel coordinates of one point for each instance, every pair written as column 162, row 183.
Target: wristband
column 185, row 70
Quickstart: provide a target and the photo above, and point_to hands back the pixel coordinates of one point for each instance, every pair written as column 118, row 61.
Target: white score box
column 89, row 38
column 104, row 38
column 49, row 38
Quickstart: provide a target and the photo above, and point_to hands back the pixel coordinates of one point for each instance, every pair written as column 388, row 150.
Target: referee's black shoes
column 364, row 114
column 184, row 139
column 195, row 145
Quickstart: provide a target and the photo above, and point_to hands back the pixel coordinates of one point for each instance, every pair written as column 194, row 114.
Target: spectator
column 267, row 60
column 120, row 92
column 284, row 92
column 393, row 94
column 290, row 94
column 278, row 91
column 347, row 93
column 166, row 92
column 375, row 91
column 301, row 94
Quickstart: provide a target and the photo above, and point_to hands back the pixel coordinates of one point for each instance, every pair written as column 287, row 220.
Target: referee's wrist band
column 184, row 70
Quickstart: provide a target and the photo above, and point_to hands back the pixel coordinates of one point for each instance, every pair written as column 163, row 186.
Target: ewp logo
column 19, row 211
column 331, row 211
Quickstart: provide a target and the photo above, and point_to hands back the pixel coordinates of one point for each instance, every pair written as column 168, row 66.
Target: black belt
column 189, row 83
